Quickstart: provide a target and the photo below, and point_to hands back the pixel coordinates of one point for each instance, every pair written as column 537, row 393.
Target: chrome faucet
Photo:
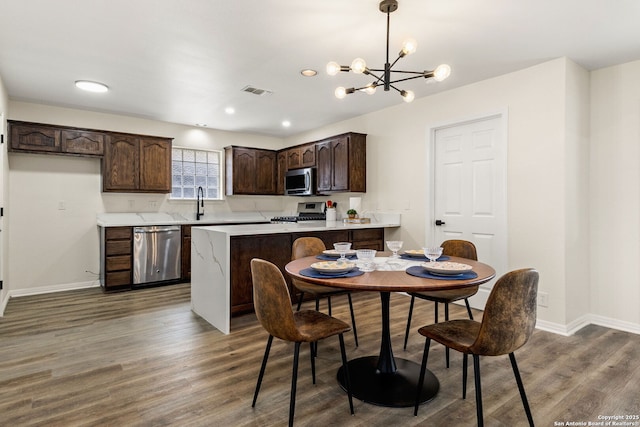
column 199, row 203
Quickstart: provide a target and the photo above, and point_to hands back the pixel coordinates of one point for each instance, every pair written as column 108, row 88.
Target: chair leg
column 446, row 319
column 300, row 300
column 435, row 320
column 466, row 302
column 345, row 367
column 423, row 369
column 262, row 368
column 317, row 304
column 353, row 320
column 525, row 402
column 406, row 332
column 476, row 374
column 329, row 304
column 294, row 380
column 465, row 359
column 313, row 362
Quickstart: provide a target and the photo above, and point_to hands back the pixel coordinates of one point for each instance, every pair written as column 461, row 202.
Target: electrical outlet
column 132, row 204
column 543, row 299
column 153, row 204
column 62, row 206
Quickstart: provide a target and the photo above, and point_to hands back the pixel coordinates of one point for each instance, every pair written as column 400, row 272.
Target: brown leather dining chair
column 507, row 324
column 309, row 246
column 272, row 305
column 457, row 248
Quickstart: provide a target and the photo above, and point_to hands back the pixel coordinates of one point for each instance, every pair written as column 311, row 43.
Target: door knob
column 439, row 222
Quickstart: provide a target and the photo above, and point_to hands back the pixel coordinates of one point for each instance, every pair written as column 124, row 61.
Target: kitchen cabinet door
column 120, row 164
column 82, row 142
column 281, row 172
column 34, row 138
column 266, row 172
column 155, row 165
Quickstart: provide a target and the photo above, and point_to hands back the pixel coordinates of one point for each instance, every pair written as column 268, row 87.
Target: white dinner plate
column 447, row 268
column 332, row 267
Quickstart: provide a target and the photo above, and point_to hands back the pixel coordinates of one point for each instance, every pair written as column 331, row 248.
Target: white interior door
column 470, row 190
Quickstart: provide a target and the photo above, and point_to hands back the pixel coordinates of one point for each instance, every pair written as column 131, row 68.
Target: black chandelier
column 359, row 66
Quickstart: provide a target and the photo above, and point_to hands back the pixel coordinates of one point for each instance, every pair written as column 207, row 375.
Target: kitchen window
column 191, row 169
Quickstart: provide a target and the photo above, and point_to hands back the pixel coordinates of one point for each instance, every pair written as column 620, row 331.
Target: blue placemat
column 310, row 272
column 418, row 271
column 422, row 257
column 333, row 258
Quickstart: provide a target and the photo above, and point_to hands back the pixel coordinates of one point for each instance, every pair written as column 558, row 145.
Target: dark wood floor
column 144, row 359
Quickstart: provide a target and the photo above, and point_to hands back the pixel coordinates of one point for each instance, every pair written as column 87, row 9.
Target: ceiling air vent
column 256, row 91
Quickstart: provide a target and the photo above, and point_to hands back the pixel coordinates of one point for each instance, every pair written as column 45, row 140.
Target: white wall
column 4, row 182
column 615, row 194
column 539, row 174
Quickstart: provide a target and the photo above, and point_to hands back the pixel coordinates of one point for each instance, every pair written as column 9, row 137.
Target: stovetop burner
column 307, row 211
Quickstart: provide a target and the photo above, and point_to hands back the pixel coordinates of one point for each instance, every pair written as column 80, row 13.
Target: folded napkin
column 310, row 272
column 418, row 271
column 333, row 258
column 422, row 257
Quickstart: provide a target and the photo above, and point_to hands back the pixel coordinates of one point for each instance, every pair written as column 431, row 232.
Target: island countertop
column 212, row 257
column 296, row 227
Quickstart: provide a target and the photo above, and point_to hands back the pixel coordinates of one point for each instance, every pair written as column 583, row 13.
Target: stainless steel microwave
column 300, row 182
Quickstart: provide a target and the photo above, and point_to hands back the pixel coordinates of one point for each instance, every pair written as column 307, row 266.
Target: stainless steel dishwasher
column 156, row 254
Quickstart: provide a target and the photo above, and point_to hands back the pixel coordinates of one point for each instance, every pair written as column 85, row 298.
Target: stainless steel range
column 307, row 211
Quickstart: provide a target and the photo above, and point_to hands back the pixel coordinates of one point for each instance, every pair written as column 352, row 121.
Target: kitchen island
column 220, row 256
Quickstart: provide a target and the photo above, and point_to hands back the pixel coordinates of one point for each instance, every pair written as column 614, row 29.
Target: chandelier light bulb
column 358, row 66
column 409, row 46
column 340, row 92
column 441, row 72
column 333, row 68
column 407, row 95
column 370, row 89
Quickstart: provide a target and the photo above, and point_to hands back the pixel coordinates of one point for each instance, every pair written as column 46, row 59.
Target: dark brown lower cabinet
column 118, row 262
column 276, row 248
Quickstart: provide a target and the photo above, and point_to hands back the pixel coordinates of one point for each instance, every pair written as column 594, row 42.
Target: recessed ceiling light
column 202, row 125
column 308, row 72
column 286, row 123
column 229, row 110
column 91, row 86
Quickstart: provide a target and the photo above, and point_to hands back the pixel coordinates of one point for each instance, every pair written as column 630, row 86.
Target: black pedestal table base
column 397, row 389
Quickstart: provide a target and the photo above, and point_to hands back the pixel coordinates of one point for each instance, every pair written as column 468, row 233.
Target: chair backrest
column 272, row 302
column 307, row 246
column 509, row 315
column 460, row 248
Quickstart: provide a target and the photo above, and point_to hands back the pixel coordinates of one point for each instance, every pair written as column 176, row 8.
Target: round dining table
column 386, row 380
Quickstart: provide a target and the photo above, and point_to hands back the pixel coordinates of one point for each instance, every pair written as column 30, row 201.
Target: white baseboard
column 14, row 293
column 3, row 303
column 570, row 328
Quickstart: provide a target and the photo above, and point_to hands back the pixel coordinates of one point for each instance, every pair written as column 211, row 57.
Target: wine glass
column 433, row 253
column 342, row 248
column 394, row 246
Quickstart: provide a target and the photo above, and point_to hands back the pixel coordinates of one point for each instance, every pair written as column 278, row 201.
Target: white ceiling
column 186, row 61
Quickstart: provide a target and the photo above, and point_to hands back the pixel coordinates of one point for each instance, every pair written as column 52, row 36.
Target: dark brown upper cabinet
column 52, row 139
column 342, row 163
column 250, row 171
column 138, row 164
column 301, row 156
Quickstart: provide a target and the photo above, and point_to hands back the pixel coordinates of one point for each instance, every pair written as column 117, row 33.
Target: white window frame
column 198, row 179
